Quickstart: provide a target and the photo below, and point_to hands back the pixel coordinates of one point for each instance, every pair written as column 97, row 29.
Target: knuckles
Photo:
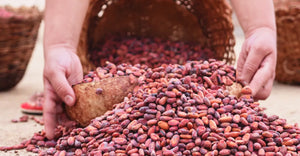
column 264, row 45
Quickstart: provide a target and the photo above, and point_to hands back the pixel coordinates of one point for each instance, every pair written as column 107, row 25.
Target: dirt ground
column 284, row 100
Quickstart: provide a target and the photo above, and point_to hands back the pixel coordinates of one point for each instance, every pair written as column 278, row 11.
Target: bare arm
column 257, row 61
column 254, row 14
column 63, row 22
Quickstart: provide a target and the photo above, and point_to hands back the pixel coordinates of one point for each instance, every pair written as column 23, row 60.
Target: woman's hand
column 62, row 69
column 257, row 61
column 63, row 23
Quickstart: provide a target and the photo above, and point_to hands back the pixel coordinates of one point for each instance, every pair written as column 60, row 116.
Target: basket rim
column 286, row 5
column 223, row 11
column 22, row 13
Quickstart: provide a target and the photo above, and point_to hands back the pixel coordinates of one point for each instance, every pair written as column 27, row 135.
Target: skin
column 257, row 61
column 63, row 22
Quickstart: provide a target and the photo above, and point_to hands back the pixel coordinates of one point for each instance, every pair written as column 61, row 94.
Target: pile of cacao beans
column 179, row 110
column 182, row 108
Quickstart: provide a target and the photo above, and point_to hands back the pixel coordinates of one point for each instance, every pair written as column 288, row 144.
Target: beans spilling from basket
column 176, row 110
column 152, row 52
column 181, row 110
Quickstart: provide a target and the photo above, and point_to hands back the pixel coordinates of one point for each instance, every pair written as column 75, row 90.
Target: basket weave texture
column 19, row 28
column 208, row 23
column 288, row 43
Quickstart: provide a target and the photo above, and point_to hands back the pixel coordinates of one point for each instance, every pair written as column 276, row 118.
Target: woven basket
column 19, row 29
column 199, row 21
column 288, row 44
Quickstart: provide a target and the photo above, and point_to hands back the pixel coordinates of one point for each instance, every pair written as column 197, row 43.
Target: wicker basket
column 199, row 21
column 19, row 29
column 288, row 44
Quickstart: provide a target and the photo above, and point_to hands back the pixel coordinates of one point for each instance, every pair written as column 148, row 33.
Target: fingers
column 55, row 91
column 265, row 90
column 252, row 63
column 76, row 69
column 256, row 65
column 62, row 87
column 62, row 69
column 49, row 110
column 262, row 81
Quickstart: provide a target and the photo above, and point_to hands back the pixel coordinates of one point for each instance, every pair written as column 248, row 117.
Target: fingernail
column 68, row 100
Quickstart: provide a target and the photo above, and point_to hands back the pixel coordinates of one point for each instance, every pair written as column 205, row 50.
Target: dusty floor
column 284, row 100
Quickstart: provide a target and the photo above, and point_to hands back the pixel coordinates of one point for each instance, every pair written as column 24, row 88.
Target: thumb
column 62, row 88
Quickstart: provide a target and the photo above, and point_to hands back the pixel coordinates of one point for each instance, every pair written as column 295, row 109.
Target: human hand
column 62, row 69
column 257, row 61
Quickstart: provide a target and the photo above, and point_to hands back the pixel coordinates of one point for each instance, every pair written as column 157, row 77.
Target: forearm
column 255, row 14
column 63, row 22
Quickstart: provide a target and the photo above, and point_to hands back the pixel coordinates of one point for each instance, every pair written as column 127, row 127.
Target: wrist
column 58, row 48
column 269, row 29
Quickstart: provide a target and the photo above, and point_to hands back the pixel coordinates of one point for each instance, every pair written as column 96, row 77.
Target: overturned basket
column 205, row 22
column 19, row 29
column 288, row 31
